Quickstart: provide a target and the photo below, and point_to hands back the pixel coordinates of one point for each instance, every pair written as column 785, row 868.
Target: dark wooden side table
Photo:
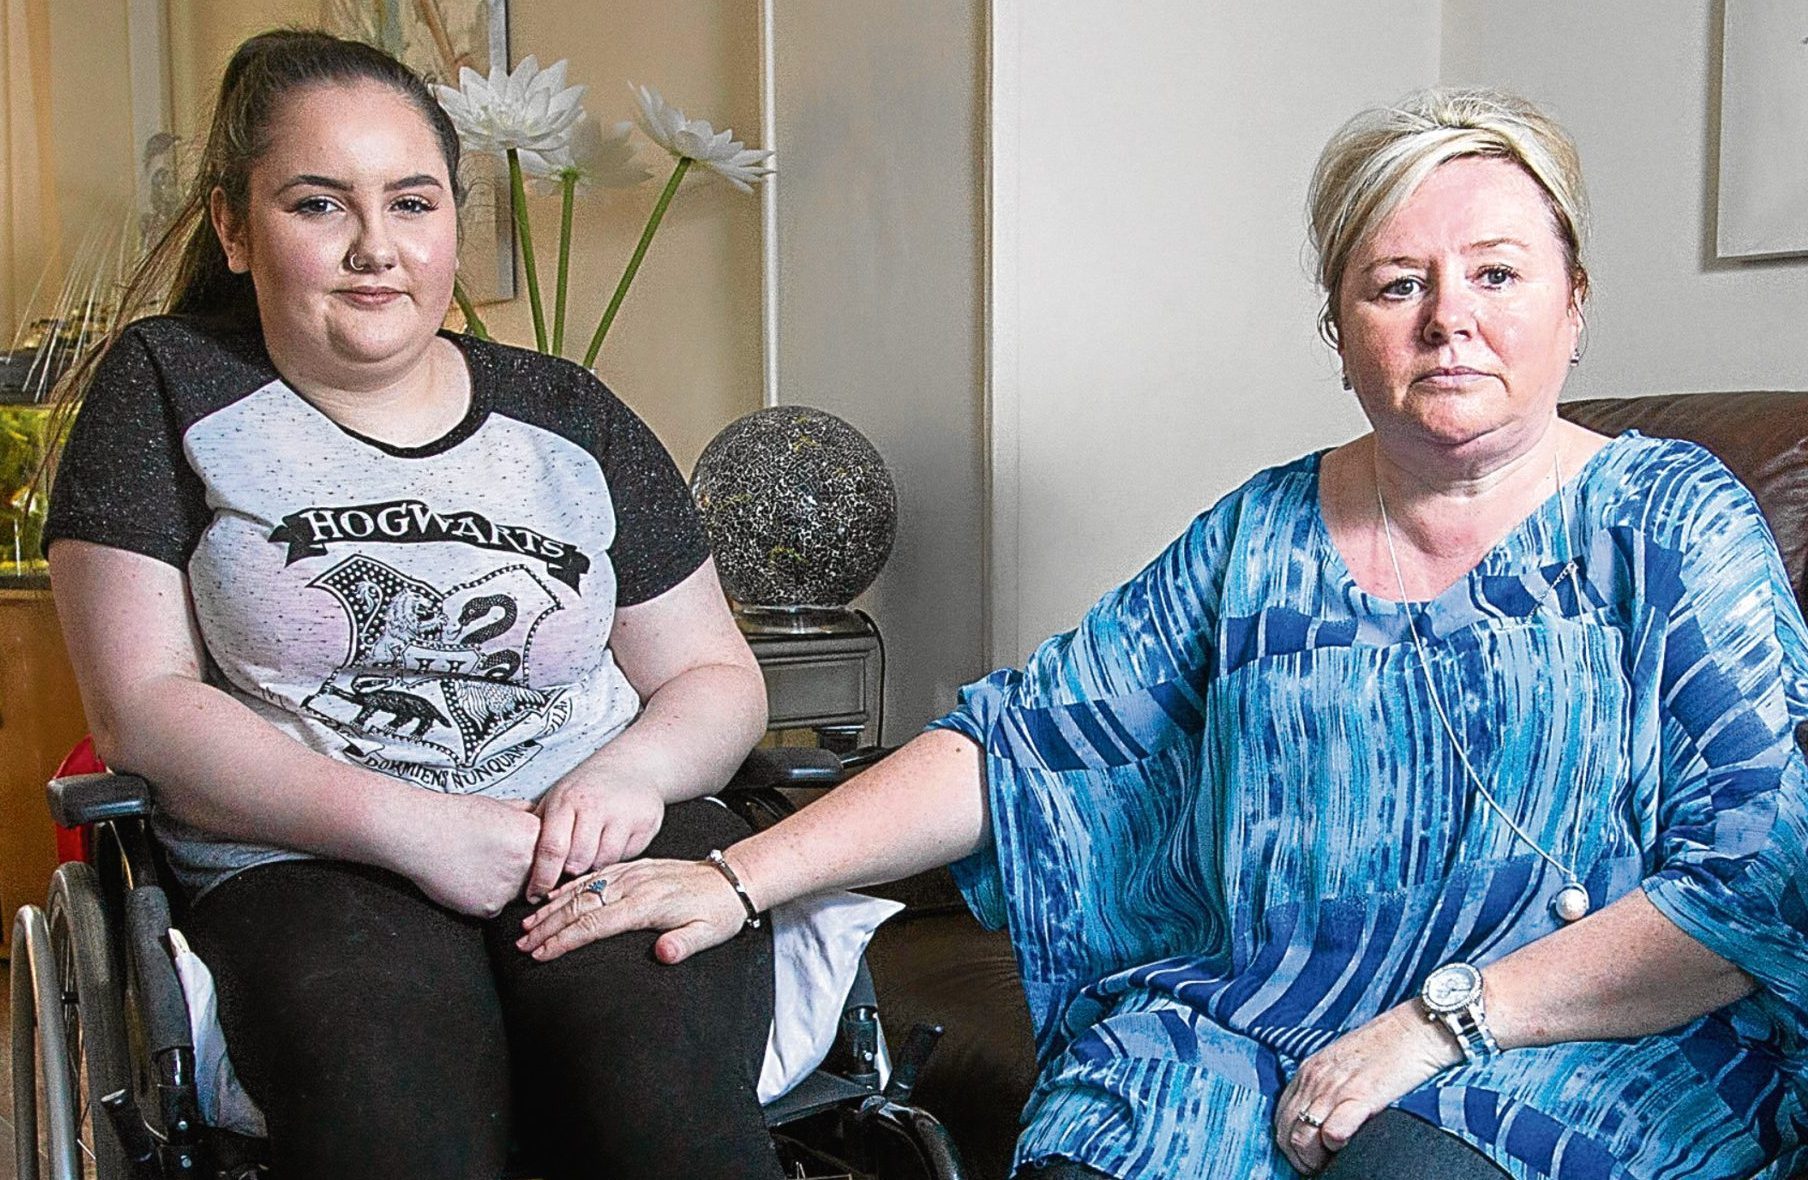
column 824, row 671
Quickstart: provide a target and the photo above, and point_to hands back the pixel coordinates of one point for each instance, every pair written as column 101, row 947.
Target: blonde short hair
column 1377, row 159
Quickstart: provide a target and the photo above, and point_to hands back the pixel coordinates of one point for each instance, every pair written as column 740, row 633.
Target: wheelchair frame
column 99, row 1016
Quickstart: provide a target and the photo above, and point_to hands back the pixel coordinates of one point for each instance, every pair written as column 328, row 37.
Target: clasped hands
column 1352, row 1079
column 477, row 854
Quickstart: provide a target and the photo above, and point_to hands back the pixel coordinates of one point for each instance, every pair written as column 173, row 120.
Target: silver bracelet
column 720, row 864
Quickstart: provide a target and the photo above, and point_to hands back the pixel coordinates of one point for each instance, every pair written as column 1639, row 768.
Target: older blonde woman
column 1431, row 806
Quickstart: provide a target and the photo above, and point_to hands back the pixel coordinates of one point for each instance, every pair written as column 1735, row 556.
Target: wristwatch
column 1453, row 994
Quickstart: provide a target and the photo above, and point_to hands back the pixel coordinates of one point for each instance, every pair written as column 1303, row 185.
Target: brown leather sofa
column 934, row 962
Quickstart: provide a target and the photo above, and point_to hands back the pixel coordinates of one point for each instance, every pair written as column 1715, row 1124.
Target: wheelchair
column 100, row 1020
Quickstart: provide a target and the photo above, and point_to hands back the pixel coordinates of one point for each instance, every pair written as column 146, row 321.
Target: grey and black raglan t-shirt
column 440, row 614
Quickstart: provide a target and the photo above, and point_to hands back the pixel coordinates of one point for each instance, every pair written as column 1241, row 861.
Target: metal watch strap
column 1470, row 1027
column 720, row 863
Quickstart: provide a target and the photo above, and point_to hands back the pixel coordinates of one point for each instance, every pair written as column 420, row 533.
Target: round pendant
column 1570, row 903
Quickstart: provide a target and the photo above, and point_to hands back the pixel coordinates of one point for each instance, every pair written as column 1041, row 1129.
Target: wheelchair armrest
column 757, row 791
column 787, row 766
column 77, row 800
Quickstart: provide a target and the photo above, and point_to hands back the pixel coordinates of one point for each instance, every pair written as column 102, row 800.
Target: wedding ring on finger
column 598, row 886
column 1310, row 1119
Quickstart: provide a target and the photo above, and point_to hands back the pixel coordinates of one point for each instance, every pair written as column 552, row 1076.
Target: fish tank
column 27, row 375
column 25, row 428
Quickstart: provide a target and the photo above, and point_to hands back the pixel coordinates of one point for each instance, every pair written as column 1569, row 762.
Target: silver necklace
column 1571, row 901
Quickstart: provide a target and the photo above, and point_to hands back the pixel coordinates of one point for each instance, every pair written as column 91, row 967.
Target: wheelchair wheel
column 40, row 1058
column 874, row 1140
column 916, row 1142
column 93, row 1002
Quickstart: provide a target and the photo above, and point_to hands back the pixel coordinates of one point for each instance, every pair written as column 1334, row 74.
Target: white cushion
column 224, row 1102
column 816, row 947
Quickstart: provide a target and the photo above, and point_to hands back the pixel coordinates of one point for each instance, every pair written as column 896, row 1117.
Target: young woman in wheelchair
column 405, row 628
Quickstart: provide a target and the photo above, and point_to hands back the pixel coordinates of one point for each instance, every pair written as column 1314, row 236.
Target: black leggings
column 385, row 1036
column 1393, row 1145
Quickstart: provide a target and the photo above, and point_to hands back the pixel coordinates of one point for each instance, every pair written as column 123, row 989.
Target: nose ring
column 363, row 263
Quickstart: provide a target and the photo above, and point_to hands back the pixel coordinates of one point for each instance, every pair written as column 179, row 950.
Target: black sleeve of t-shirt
column 122, row 480
column 659, row 539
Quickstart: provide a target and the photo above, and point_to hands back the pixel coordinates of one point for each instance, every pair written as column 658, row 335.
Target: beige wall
column 685, row 351
column 91, row 99
column 1637, row 83
column 203, row 34
column 880, row 114
column 30, row 231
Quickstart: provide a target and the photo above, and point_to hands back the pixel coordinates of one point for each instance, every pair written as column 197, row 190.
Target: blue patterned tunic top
column 1228, row 826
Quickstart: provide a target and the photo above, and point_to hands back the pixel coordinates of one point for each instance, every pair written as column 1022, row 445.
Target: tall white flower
column 695, row 139
column 529, row 108
column 595, row 158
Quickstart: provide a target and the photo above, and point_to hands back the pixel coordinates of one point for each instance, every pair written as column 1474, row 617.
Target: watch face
column 1452, row 987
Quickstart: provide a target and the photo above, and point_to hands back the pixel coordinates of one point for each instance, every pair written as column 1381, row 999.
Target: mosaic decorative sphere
column 798, row 506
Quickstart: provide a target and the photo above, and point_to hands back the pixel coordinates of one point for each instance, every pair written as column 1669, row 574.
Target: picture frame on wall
column 436, row 39
column 1763, row 202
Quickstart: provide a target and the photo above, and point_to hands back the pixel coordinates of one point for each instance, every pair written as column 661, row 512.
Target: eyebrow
column 418, row 180
column 1471, row 248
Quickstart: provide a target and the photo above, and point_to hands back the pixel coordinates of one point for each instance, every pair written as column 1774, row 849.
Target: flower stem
column 518, row 188
column 569, row 182
column 640, row 252
column 473, row 322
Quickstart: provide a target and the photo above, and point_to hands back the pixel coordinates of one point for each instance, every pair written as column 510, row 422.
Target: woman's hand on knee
column 688, row 900
column 1339, row 1088
column 588, row 824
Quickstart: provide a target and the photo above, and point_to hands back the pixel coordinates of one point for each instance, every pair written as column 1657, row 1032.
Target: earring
column 1575, row 356
column 1346, row 381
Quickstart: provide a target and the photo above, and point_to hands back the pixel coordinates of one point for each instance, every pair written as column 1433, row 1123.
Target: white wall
column 1637, row 83
column 879, row 114
column 1153, row 319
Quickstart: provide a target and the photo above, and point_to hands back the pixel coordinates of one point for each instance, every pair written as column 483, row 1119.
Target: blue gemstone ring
column 597, row 886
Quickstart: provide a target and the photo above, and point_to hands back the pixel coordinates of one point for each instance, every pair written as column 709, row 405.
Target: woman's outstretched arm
column 923, row 806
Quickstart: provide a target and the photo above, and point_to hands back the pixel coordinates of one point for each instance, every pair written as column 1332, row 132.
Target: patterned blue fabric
column 1228, row 825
